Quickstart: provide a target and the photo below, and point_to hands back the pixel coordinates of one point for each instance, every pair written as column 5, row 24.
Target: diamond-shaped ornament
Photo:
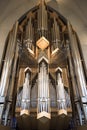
column 42, row 43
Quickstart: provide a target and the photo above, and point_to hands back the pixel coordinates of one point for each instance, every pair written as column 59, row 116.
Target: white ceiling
column 74, row 10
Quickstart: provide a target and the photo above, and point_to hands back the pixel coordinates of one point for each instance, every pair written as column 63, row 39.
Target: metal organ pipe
column 10, row 91
column 25, row 105
column 7, row 112
column 8, row 62
column 29, row 34
column 78, row 70
column 60, row 93
column 77, row 63
column 75, row 87
column 56, row 33
column 43, row 90
column 11, row 87
column 5, row 73
column 42, row 20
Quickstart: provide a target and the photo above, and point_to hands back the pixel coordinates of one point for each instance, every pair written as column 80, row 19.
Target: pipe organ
column 41, row 42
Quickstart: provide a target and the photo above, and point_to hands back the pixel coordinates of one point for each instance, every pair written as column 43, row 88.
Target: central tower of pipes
column 43, row 109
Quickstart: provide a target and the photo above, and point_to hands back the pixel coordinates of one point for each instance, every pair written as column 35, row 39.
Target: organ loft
column 43, row 80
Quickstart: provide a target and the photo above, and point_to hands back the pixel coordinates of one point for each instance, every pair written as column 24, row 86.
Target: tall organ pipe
column 25, row 105
column 75, row 87
column 8, row 62
column 6, row 72
column 11, row 87
column 56, row 34
column 60, row 93
column 78, row 70
column 29, row 34
column 42, row 20
column 43, row 88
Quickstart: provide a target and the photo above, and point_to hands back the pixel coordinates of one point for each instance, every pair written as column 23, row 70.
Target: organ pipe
column 6, row 72
column 1, row 111
column 8, row 62
column 43, row 90
column 78, row 70
column 55, row 34
column 25, row 104
column 29, row 34
column 7, row 113
column 11, row 87
column 29, row 30
column 75, row 87
column 60, row 93
column 10, row 91
column 42, row 19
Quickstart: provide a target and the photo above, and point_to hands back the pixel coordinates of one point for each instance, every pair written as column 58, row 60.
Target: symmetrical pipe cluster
column 43, row 89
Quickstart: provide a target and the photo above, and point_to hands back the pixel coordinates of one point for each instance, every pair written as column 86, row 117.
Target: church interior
column 43, row 65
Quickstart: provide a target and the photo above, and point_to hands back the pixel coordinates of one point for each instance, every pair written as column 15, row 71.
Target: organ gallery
column 43, row 80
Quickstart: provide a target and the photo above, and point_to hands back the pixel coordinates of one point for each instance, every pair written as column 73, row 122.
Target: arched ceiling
column 74, row 10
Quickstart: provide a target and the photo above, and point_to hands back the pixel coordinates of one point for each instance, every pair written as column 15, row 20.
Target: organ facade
column 43, row 77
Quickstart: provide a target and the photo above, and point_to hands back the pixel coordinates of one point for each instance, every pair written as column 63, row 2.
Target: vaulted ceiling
column 74, row 10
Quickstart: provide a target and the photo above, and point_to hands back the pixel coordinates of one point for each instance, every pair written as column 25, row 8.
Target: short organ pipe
column 25, row 104
column 61, row 101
